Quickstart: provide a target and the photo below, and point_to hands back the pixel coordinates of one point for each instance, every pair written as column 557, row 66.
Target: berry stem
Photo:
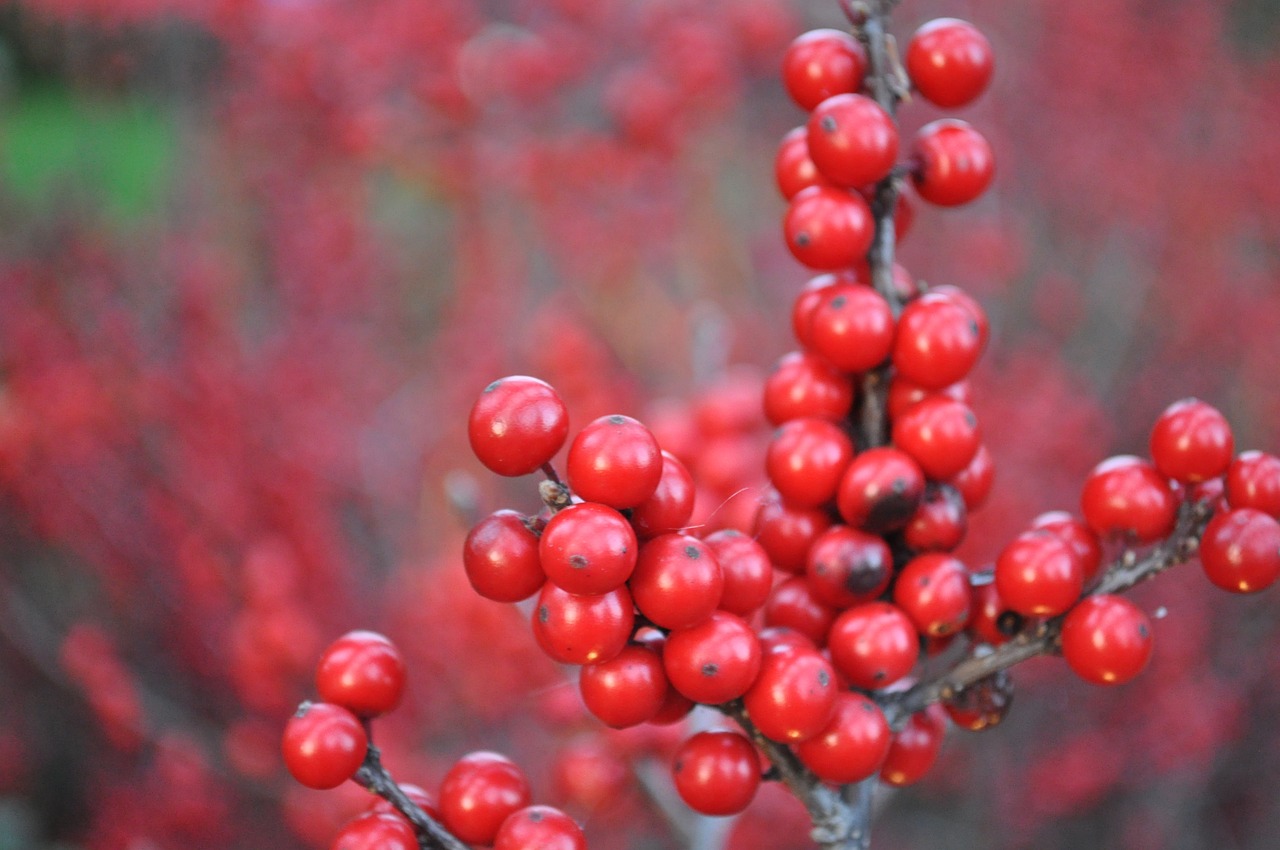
column 374, row 777
column 1043, row 637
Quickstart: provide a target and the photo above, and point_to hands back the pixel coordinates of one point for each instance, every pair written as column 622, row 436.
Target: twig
column 373, row 776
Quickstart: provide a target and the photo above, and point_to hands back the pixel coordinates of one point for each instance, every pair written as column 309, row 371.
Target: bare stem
column 431, row 835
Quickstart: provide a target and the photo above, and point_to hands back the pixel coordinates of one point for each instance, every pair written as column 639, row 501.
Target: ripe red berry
column 717, row 773
column 588, row 549
column 903, row 394
column 748, row 575
column 975, row 480
column 793, row 168
column 376, row 831
column 949, row 62
column 363, row 672
column 806, row 459
column 1191, row 442
column 939, row 434
column 500, row 556
column 933, row 590
column 954, row 163
column 582, row 629
column 1240, row 550
column 677, row 581
column 1125, row 495
column 1078, row 537
column 793, row 697
column 873, row 645
column 1106, row 639
column 671, row 505
column 938, row 342
column 851, row 327
column 517, row 425
column 914, row 748
column 803, row 385
column 822, row 63
column 793, row 604
column 847, row 566
column 940, row 523
column 714, row 661
column 1253, row 481
column 810, row 297
column 324, row 745
column 614, row 460
column 786, row 532
column 828, row 229
column 852, row 140
column 1038, row 575
column 478, row 793
column 626, row 690
column 881, row 490
column 990, row 620
column 853, row 745
column 539, row 828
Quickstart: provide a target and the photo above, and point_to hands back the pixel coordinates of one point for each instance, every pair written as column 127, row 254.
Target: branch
column 373, row 776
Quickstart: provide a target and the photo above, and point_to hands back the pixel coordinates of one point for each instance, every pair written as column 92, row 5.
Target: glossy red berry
column 1079, row 538
column 717, row 773
column 626, row 690
column 873, row 645
column 517, row 425
column 851, row 327
column 914, row 748
column 479, row 792
column 539, row 828
column 881, row 490
column 852, row 140
column 786, row 532
column 806, row 459
column 847, row 566
column 1106, row 639
column 975, row 480
column 1191, row 442
column 793, row 169
column 363, row 672
column 954, row 163
column 810, row 296
column 324, row 745
column 853, row 745
column 677, row 581
column 990, row 620
column 582, row 629
column 822, row 63
column 803, row 385
column 828, row 229
column 940, row 523
column 500, row 557
column 671, row 505
column 794, row 604
column 1125, row 495
column 1038, row 575
column 1253, row 481
column 938, row 342
column 939, row 434
column 949, row 62
column 794, row 696
column 614, row 460
column 933, row 591
column 1240, row 550
column 376, row 831
column 748, row 575
column 903, row 394
column 714, row 661
column 588, row 549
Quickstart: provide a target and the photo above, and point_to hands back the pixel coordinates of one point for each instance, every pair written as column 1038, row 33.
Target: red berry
column 933, row 590
column 903, row 394
column 852, row 140
column 793, row 697
column 588, row 549
column 1106, row 639
column 478, row 793
column 793, row 168
column 804, row 385
column 847, row 566
column 582, row 629
column 376, row 831
column 1240, row 550
column 717, row 773
column 809, row 299
column 940, row 434
column 748, row 575
column 1038, row 575
column 614, row 460
column 324, row 745
column 940, row 523
column 805, row 460
column 873, row 645
column 677, row 581
column 1253, row 481
column 975, row 480
column 1125, row 495
column 949, row 62
column 828, row 229
column 938, row 342
column 500, row 556
column 714, row 661
column 517, row 425
column 626, row 690
column 822, row 63
column 914, row 748
column 670, row 506
column 851, row 327
column 539, row 828
column 362, row 672
column 991, row 620
column 1191, row 442
column 1078, row 537
column 881, row 490
column 954, row 163
column 793, row 604
column 786, row 532
column 853, row 746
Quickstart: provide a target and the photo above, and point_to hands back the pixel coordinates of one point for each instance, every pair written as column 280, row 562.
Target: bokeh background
column 257, row 257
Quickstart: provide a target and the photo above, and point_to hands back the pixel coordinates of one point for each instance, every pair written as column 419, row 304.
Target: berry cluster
column 484, row 799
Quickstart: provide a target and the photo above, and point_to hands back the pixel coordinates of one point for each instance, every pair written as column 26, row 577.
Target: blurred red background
column 259, row 256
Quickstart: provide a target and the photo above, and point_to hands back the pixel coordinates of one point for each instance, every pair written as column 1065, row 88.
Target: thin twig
column 431, row 835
